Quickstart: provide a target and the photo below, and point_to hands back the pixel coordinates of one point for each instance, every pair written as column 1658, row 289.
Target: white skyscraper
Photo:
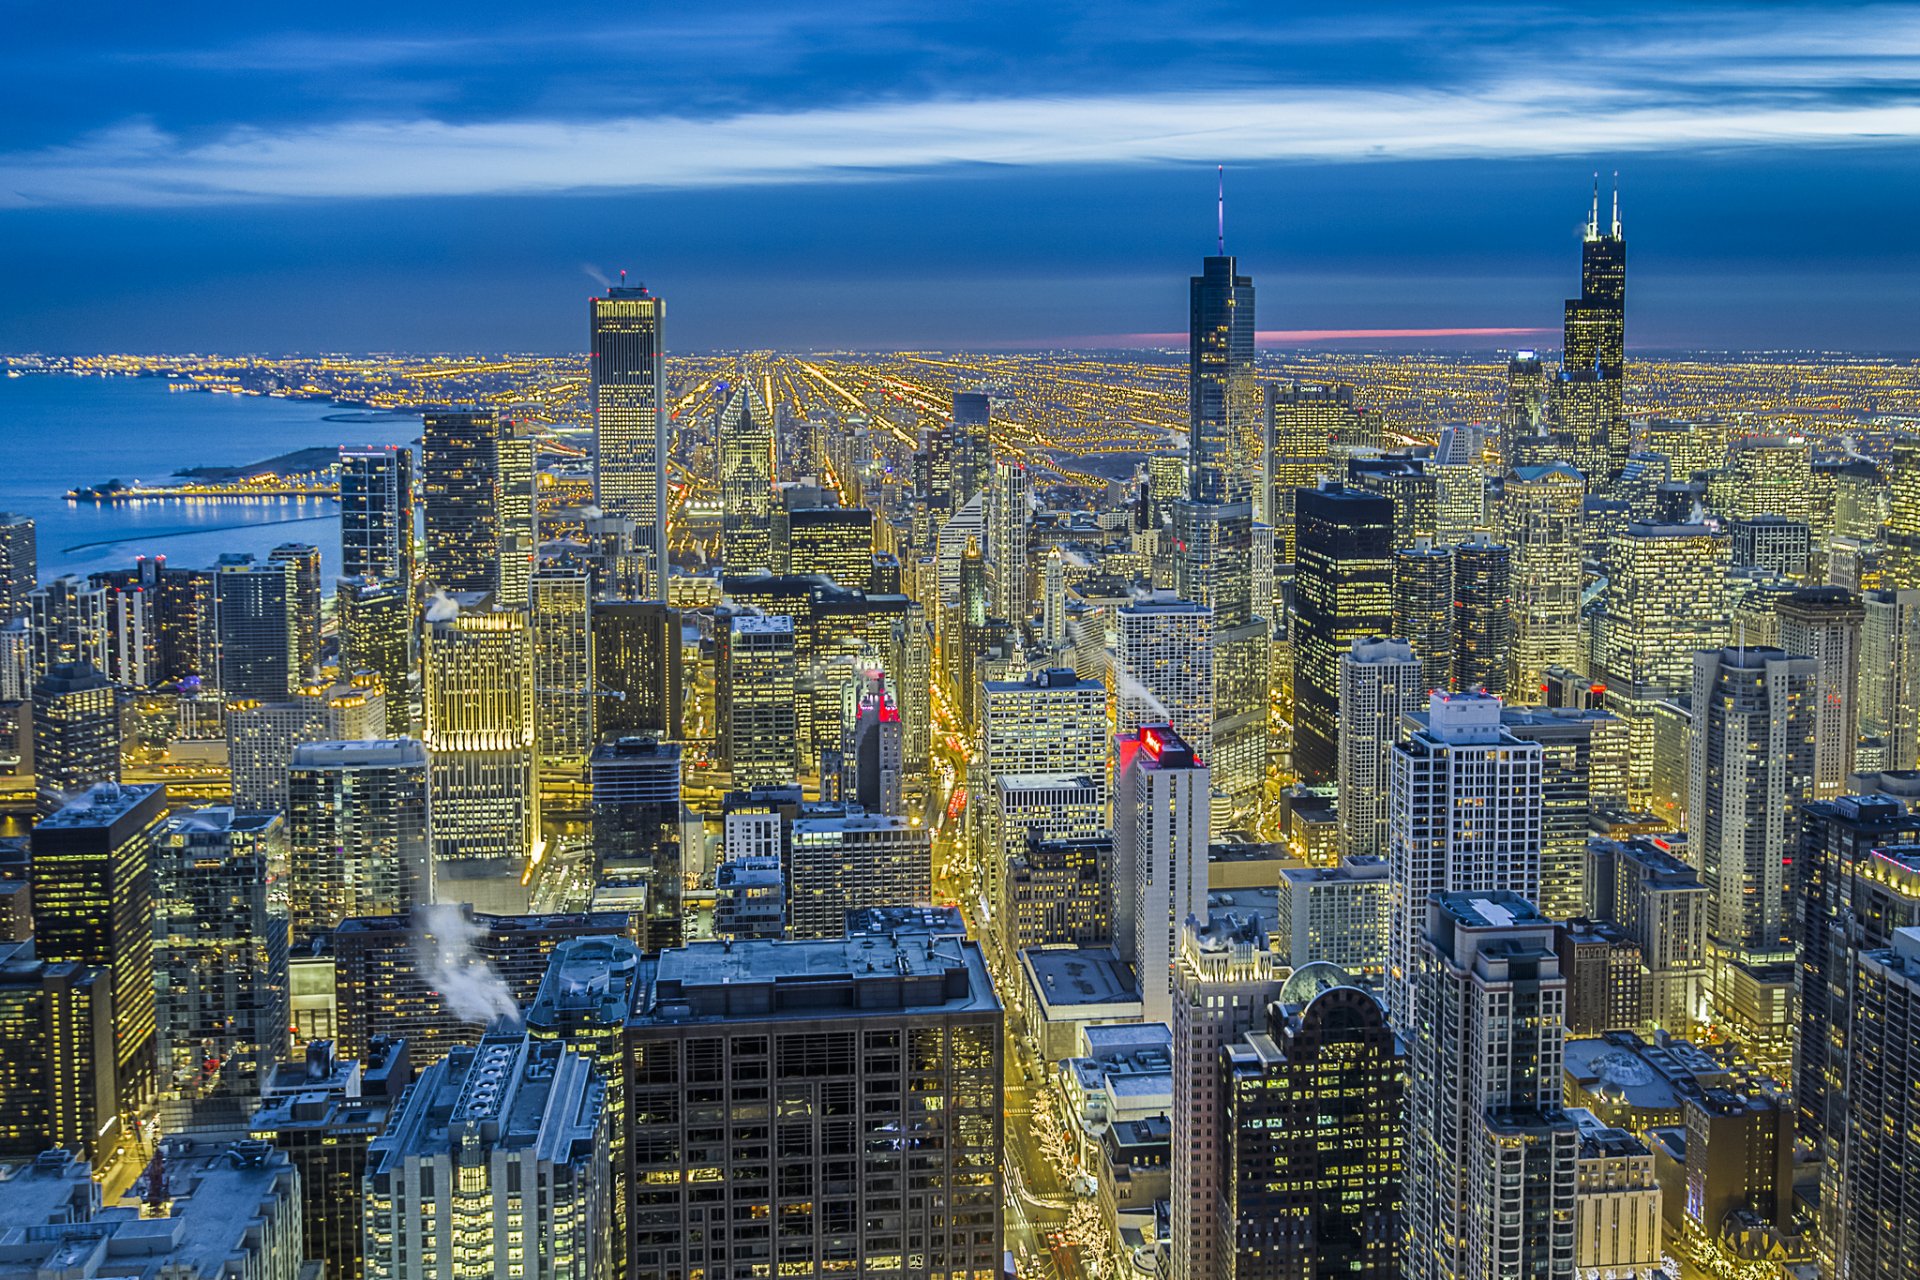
column 1465, row 815
column 1380, row 681
column 1160, row 817
column 1007, row 539
column 1163, row 669
column 1053, row 624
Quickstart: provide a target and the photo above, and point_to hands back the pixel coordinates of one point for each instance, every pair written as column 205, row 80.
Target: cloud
column 140, row 164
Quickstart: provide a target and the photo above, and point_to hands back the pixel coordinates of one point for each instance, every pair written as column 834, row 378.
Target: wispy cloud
column 140, row 164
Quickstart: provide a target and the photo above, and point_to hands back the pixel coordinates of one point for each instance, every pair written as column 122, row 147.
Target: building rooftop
column 1601, row 1141
column 762, row 979
column 104, row 805
column 1645, row 1076
column 223, row 819
column 587, row 980
column 873, row 922
column 383, row 753
column 1066, row 976
column 511, row 1091
column 1499, row 909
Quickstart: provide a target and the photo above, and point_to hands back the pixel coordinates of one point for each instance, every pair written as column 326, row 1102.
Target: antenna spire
column 1616, row 204
column 1222, row 174
column 1593, row 218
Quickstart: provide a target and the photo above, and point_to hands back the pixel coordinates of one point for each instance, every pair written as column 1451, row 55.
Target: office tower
column 219, row 951
column 1824, row 623
column 1163, row 668
column 519, row 527
column 1583, row 771
column 357, row 836
column 1460, row 484
column 1541, row 515
column 1343, row 592
column 1889, row 689
column 583, row 1002
column 494, row 1165
column 1160, row 832
column 19, row 564
column 561, row 619
column 133, row 626
column 1665, row 600
column 93, row 904
column 376, row 634
column 1901, row 533
column 1007, row 537
column 636, row 685
column 1304, row 424
column 1314, row 1149
column 972, row 446
column 56, row 1058
column 965, row 632
column 259, row 629
column 754, row 705
column 862, row 1025
column 1659, row 901
column 1380, row 681
column 1524, row 409
column 1053, row 601
column 69, row 623
column 1405, row 482
column 479, row 740
column 1769, row 475
column 1772, row 542
column 1877, row 1233
column 459, row 489
column 1750, row 768
column 1047, row 722
column 1057, row 892
column 1423, row 605
column 1491, row 1157
column 745, row 448
column 1465, row 815
column 626, row 353
column 376, row 513
column 304, row 559
column 874, row 760
column 261, row 736
column 1482, row 614
column 1616, row 1210
column 636, row 832
column 837, row 864
column 1225, row 979
column 1335, row 915
column 324, row 1112
column 442, row 976
column 76, row 733
column 220, row 1210
column 1857, row 880
column 1593, row 359
column 835, row 542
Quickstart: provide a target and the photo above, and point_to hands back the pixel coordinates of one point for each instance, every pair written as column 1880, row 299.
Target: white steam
column 1135, row 694
column 442, row 607
column 472, row 989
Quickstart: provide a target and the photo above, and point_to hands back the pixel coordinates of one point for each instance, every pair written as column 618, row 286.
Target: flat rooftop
column 1068, row 976
column 758, row 979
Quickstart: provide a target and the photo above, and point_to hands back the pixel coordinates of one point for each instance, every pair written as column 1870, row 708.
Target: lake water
column 58, row 432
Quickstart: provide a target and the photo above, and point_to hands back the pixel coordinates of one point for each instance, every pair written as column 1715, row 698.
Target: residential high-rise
column 1583, row 770
column 1380, row 682
column 1482, row 614
column 754, row 707
column 68, row 619
column 1889, row 689
column 357, row 835
column 519, row 527
column 896, row 1032
column 1542, row 521
column 1343, row 591
column 259, row 629
column 852, row 861
column 56, row 1058
column 626, row 362
column 493, row 1165
column 1163, row 669
column 635, row 818
column 1160, row 834
column 219, row 951
column 1007, row 539
column 1659, row 901
column 1492, row 1160
column 261, row 736
column 636, row 683
column 303, row 561
column 1824, row 623
column 19, row 564
column 1048, row 722
column 377, row 635
column 1314, row 1138
column 561, row 618
column 744, row 435
column 376, row 513
column 93, row 904
column 1465, row 815
column 460, row 481
column 1423, row 609
column 76, row 733
column 480, row 743
column 1876, row 1233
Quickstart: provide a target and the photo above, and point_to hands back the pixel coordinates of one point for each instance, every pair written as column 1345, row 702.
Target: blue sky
column 457, row 177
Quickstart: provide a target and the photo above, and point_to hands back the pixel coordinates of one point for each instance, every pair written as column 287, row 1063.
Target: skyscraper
column 1824, row 623
column 357, row 838
column 1584, row 770
column 1053, row 601
column 56, row 1058
column 837, row 864
column 19, row 564
column 1889, row 689
column 1343, row 591
column 1160, row 828
column 259, row 629
column 1163, row 669
column 69, row 624
column 561, row 618
column 754, row 706
column 626, row 360
column 1007, row 538
column 1380, row 682
column 1492, row 1160
column 1524, row 410
column 303, row 562
column 1423, row 608
column 480, row 743
column 636, row 832
column 1588, row 394
column 377, row 634
column 76, row 733
column 1542, row 527
column 1877, row 1235
column 1465, row 815
column 636, row 685
column 744, row 445
column 519, row 521
column 1482, row 614
column 460, row 478
column 1304, row 423
column 376, row 513
column 970, row 445
column 93, row 904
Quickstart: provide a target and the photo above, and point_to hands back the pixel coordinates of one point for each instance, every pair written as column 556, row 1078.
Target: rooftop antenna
column 623, row 277
column 1593, row 218
column 1222, row 173
column 1616, row 204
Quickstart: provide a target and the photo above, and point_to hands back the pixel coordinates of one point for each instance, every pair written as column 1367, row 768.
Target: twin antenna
column 1223, row 210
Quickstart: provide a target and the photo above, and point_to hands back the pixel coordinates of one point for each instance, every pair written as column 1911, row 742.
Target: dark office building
column 1482, row 615
column 377, row 635
column 460, row 472
column 76, row 733
column 93, row 904
column 1343, row 591
column 1315, row 1137
column 56, row 1059
column 636, row 829
column 376, row 513
column 259, row 629
column 835, row 542
column 636, row 669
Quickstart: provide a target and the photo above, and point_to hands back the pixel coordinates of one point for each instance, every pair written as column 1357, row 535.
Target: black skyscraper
column 1343, row 591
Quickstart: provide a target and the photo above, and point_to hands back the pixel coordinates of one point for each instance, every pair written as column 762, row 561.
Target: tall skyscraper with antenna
column 1587, row 398
column 626, row 359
